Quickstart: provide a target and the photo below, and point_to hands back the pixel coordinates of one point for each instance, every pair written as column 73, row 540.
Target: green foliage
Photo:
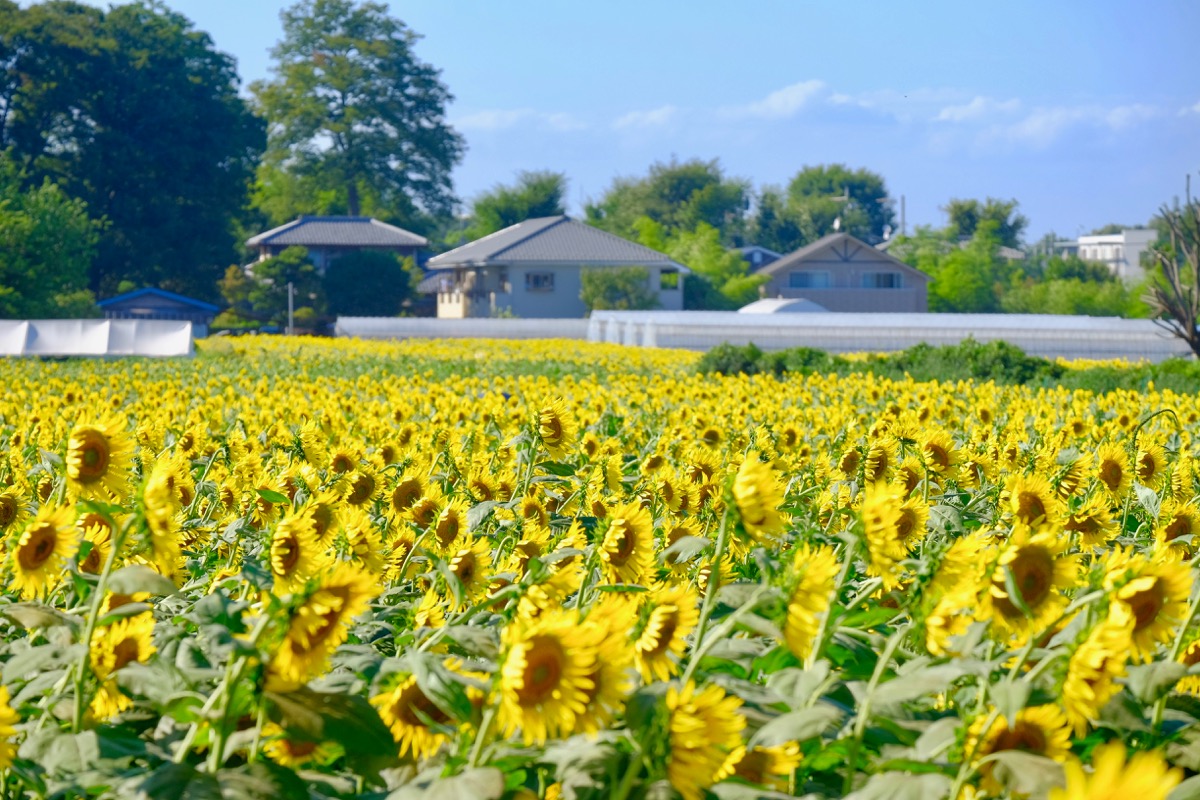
column 720, row 277
column 536, row 194
column 678, row 196
column 1074, row 296
column 968, row 277
column 621, row 289
column 134, row 112
column 261, row 293
column 47, row 243
column 356, row 120
column 728, row 359
column 967, row 216
column 369, row 283
column 819, row 195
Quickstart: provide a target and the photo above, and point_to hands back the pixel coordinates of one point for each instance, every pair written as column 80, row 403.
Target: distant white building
column 1121, row 252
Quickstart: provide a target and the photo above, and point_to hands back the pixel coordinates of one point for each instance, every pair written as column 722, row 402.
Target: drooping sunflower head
column 404, row 495
column 757, row 493
column 470, row 563
column 361, row 487
column 98, row 459
column 705, row 737
column 881, row 457
column 1150, row 465
column 1094, row 666
column 670, row 615
column 1038, row 730
column 416, row 722
column 38, row 558
column 881, row 515
column 97, row 532
column 814, row 576
column 297, row 750
column 1092, row 522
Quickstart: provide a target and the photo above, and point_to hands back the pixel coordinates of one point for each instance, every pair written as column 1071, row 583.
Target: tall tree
column 133, row 111
column 536, row 194
column 967, row 215
column 1174, row 296
column 356, row 122
column 677, row 195
column 832, row 195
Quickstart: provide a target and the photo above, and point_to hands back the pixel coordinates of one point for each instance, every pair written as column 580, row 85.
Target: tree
column 719, row 278
column 1174, row 296
column 536, row 194
column 47, row 242
column 618, row 289
column 370, row 283
column 678, row 196
column 356, row 120
column 823, row 194
column 777, row 226
column 261, row 291
column 967, row 277
column 134, row 112
column 967, row 215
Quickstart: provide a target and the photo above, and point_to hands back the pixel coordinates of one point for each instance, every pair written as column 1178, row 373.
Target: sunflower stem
column 864, row 711
column 710, row 596
column 1160, row 705
column 630, row 777
column 485, row 730
column 824, row 630
column 81, row 666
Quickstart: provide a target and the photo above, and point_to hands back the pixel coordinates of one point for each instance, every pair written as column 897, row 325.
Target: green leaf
column 621, row 588
column 33, row 616
column 440, row 685
column 1010, row 697
column 1147, row 499
column 684, row 549
column 796, row 685
column 478, row 513
column 910, row 686
column 475, row 640
column 796, row 726
column 1148, row 682
column 350, row 721
column 1188, row 790
column 557, row 468
column 1025, row 773
column 486, row 783
column 904, row 786
column 261, row 780
column 40, row 660
column 178, row 782
column 272, row 496
column 139, row 578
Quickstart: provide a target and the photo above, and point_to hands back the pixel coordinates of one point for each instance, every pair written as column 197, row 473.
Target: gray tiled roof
column 337, row 232
column 551, row 240
column 843, row 240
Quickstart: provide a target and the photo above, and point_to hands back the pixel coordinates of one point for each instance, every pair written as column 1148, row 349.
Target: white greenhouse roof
column 782, row 305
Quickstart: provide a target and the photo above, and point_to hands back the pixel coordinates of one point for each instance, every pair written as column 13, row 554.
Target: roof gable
column 839, row 251
column 310, row 231
column 552, row 240
column 151, row 291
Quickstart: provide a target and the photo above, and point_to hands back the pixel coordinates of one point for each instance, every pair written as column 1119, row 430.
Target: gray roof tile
column 551, row 240
column 337, row 232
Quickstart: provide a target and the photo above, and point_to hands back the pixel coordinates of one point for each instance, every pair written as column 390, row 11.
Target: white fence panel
column 96, row 338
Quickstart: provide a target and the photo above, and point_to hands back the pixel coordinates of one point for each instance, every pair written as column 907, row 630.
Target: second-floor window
column 539, row 281
column 882, row 280
column 808, row 280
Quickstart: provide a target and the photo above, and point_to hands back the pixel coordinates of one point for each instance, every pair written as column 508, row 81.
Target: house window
column 882, row 280
column 808, row 280
column 539, row 281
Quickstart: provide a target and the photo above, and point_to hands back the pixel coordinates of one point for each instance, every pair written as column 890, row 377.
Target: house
column 842, row 273
column 758, row 257
column 329, row 237
column 535, row 269
column 1120, row 252
column 151, row 303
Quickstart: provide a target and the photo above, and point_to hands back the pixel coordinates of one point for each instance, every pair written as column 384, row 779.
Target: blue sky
column 1085, row 112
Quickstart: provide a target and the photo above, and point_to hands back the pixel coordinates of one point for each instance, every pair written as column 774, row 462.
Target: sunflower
column 1178, row 526
column 1031, row 500
column 673, row 614
column 909, row 474
column 98, row 459
column 950, row 596
column 771, row 767
column 450, row 526
column 1190, row 657
column 322, row 513
column 363, row 539
column 881, row 520
column 546, row 678
column 627, row 550
column 1150, row 466
column 361, row 487
column 407, row 491
column 758, row 495
column 705, row 734
column 556, row 429
column 97, row 532
column 40, row 554
column 294, row 553
column 161, row 502
column 815, row 571
column 1146, row 776
column 400, row 565
column 12, row 510
column 1112, row 469
column 1025, row 593
column 419, row 726
column 939, row 454
column 8, row 732
column 1094, row 666
column 1154, row 591
column 881, row 459
column 1039, row 730
column 470, row 562
column 319, row 624
column 297, row 751
column 126, row 641
column 1092, row 522
column 614, row 614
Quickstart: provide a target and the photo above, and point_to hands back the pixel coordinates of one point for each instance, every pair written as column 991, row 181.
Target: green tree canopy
column 356, row 120
column 967, row 215
column 369, row 283
column 829, row 192
column 134, row 112
column 678, row 196
column 719, row 278
column 47, row 242
column 618, row 289
column 536, row 194
column 261, row 291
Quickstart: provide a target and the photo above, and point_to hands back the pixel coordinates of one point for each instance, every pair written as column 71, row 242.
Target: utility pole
column 291, row 328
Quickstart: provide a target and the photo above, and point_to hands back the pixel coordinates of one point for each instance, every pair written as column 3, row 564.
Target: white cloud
column 501, row 119
column 978, row 108
column 654, row 118
column 784, row 102
column 1189, row 110
column 1043, row 126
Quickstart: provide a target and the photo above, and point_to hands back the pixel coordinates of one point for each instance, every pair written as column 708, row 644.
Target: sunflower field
column 331, row 569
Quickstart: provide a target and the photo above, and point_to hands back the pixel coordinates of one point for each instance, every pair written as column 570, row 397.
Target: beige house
column 841, row 273
column 535, row 268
